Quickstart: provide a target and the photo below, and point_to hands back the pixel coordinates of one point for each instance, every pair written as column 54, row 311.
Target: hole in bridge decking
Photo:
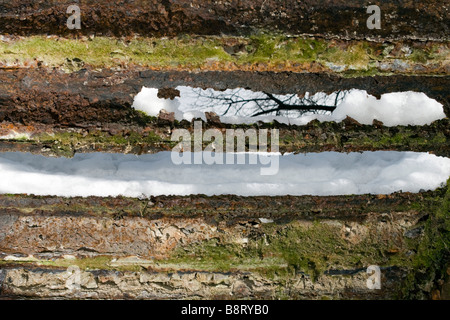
column 245, row 106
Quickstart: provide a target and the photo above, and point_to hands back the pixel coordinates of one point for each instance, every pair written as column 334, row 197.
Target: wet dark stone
column 168, row 93
column 425, row 20
column 414, row 233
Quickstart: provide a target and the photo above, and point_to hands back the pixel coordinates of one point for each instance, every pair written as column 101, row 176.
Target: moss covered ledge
column 405, row 234
column 150, row 135
column 259, row 52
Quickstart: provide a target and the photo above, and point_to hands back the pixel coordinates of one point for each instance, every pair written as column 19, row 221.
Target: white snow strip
column 398, row 108
column 16, row 136
column 327, row 173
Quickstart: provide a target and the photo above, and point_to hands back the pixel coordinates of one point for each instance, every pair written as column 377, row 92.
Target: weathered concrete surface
column 152, row 136
column 56, row 284
column 213, row 247
column 100, row 235
column 53, row 226
column 256, row 53
column 217, row 247
column 225, row 207
column 91, row 110
column 54, row 97
column 345, row 19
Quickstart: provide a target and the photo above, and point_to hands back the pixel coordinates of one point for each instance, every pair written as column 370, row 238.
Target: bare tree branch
column 265, row 103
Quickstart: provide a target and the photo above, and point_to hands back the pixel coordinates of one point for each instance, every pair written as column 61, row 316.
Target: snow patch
column 265, row 220
column 398, row 108
column 147, row 101
column 326, row 173
column 13, row 135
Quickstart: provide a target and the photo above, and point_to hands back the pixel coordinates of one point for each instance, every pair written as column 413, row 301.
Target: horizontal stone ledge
column 258, row 53
column 90, row 97
column 116, row 89
column 229, row 208
column 327, row 18
column 29, row 282
column 150, row 135
column 51, row 227
column 272, row 239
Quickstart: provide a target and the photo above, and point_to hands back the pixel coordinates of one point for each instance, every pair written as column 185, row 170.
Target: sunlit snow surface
column 398, row 108
column 327, row 173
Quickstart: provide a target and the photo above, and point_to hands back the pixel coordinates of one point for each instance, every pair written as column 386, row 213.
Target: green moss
column 293, row 248
column 186, row 51
column 278, row 49
column 143, row 119
column 419, row 56
column 433, row 252
column 369, row 71
column 214, row 255
column 406, row 137
column 355, row 55
column 64, row 143
column 359, row 58
column 95, row 263
column 108, row 52
column 100, row 262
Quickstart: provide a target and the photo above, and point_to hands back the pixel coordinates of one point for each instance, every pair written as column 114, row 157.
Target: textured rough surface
column 92, row 226
column 204, row 247
column 100, row 235
column 90, row 110
column 153, row 136
column 214, row 247
column 261, row 52
column 222, row 247
column 50, row 97
column 52, row 284
column 346, row 19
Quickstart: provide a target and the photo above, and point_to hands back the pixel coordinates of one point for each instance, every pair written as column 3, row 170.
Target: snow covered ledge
column 326, row 173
